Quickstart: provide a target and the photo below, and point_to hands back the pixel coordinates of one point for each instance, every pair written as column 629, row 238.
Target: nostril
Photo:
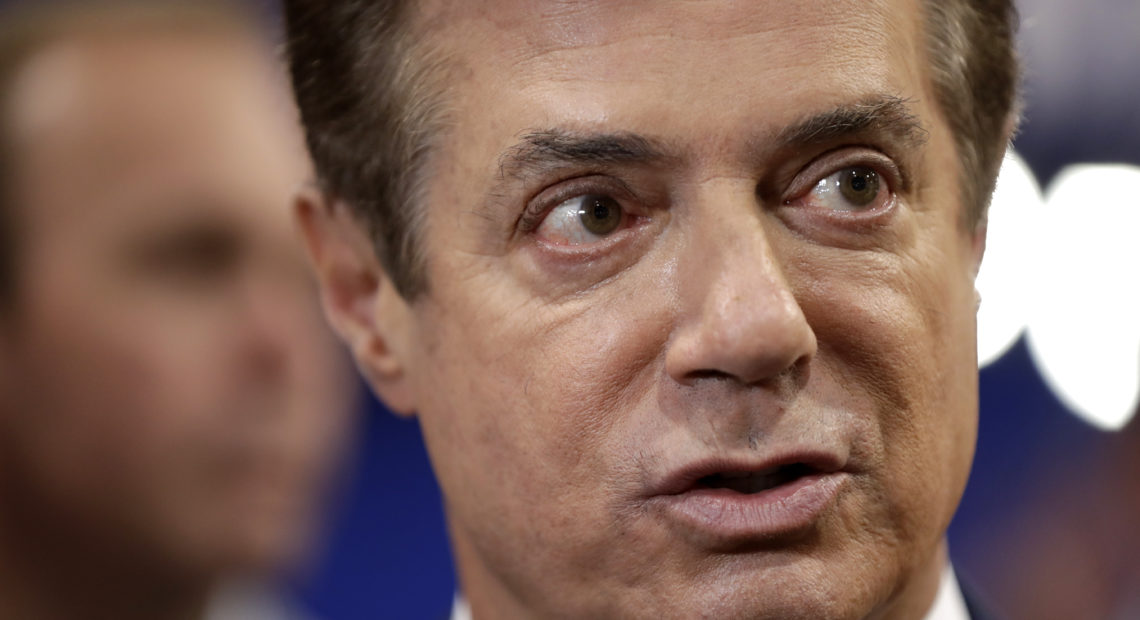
column 789, row 380
column 708, row 374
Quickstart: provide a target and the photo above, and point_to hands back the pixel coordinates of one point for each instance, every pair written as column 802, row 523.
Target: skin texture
column 173, row 404
column 733, row 314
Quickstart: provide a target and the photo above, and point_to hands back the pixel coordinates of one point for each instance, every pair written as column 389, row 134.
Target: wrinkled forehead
column 694, row 67
column 521, row 30
column 143, row 126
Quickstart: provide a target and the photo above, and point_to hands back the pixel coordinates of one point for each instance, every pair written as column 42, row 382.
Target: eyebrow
column 551, row 148
column 885, row 115
column 540, row 150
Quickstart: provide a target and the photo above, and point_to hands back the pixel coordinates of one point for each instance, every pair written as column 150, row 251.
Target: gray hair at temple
column 371, row 96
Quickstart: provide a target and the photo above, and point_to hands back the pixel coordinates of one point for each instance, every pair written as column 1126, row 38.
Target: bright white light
column 1084, row 317
column 1004, row 279
column 1066, row 270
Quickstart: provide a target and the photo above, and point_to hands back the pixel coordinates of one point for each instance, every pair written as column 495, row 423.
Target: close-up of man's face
column 697, row 337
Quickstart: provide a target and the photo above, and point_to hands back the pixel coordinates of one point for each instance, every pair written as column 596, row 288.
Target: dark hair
column 371, row 102
column 975, row 71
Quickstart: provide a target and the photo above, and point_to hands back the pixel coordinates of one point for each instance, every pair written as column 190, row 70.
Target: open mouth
column 752, row 482
column 723, row 504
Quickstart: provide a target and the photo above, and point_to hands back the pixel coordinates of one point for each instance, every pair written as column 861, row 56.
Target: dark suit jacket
column 975, row 604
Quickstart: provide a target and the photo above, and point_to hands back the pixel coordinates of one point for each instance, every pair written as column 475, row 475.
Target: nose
column 739, row 318
column 267, row 326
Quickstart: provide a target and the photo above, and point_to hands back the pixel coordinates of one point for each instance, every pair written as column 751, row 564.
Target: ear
column 978, row 251
column 978, row 246
column 978, row 242
column 359, row 299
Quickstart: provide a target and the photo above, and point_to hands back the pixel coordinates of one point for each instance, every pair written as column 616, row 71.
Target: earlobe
column 358, row 297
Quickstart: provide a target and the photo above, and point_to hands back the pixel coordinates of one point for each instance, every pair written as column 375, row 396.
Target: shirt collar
column 949, row 604
column 460, row 610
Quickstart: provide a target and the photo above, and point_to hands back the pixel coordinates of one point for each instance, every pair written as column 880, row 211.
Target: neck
column 481, row 591
column 53, row 568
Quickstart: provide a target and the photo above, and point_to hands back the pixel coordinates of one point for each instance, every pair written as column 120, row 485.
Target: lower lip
column 725, row 517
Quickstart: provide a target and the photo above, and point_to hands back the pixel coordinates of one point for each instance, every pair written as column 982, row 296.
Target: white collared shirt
column 251, row 599
column 460, row 610
column 948, row 604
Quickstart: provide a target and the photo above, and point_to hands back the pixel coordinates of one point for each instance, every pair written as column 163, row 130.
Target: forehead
column 675, row 63
column 140, row 124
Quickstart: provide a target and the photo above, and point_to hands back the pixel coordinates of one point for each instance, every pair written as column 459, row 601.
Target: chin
column 814, row 578
column 253, row 547
column 273, row 550
column 798, row 590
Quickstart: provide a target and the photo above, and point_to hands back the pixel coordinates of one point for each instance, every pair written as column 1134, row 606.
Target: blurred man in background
column 170, row 403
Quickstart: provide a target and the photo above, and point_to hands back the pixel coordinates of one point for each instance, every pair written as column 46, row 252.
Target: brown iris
column 601, row 215
column 859, row 186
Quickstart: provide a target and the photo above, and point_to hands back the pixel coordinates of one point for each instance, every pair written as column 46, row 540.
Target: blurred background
column 1048, row 527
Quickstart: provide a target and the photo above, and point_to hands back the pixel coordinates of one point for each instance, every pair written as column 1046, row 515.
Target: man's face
column 168, row 381
column 699, row 334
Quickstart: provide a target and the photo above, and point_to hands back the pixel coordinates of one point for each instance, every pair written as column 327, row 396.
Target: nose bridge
column 266, row 325
column 740, row 317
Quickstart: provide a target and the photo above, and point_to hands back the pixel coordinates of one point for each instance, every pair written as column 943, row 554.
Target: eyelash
column 538, row 207
column 848, row 157
column 839, row 160
column 836, row 160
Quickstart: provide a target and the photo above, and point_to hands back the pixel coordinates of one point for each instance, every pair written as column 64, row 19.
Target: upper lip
column 686, row 477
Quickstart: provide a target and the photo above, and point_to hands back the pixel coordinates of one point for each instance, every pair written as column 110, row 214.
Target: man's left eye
column 582, row 219
column 856, row 188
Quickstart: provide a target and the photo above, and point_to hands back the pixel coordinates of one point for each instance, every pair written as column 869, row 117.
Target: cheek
column 533, row 394
column 116, row 388
column 898, row 335
column 85, row 438
column 322, row 393
column 175, row 364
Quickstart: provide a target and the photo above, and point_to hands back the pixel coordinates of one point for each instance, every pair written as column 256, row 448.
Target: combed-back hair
column 371, row 103
column 371, row 99
column 974, row 67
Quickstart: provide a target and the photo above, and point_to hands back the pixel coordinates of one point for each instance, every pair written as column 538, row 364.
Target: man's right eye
column 581, row 220
column 856, row 188
column 191, row 256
